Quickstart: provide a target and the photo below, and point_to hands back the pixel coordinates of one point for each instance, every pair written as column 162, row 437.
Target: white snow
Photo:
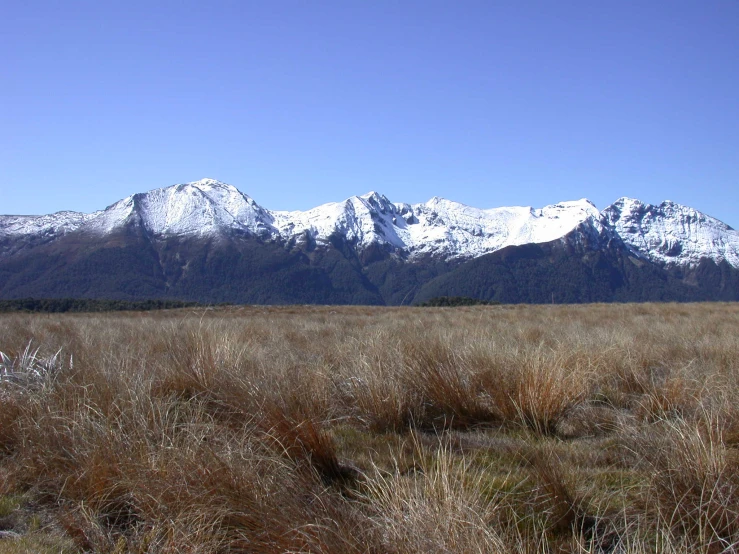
column 461, row 230
column 439, row 226
column 671, row 233
column 52, row 224
column 200, row 208
column 668, row 233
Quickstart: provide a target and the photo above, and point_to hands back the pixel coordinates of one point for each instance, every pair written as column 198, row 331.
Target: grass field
column 594, row 428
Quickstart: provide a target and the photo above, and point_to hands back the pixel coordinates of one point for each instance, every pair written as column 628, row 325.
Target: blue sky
column 298, row 103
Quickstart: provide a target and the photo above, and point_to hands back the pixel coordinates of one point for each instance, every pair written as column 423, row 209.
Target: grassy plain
column 592, row 428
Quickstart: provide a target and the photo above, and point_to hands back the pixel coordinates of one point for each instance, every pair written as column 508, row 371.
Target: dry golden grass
column 600, row 428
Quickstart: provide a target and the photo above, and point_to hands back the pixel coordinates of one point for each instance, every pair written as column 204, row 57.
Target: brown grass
column 694, row 485
column 356, row 429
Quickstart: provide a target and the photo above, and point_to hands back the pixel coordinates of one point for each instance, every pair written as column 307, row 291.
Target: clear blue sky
column 298, row 103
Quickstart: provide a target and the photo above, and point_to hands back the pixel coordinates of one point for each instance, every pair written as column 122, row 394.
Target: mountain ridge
column 207, row 241
column 669, row 233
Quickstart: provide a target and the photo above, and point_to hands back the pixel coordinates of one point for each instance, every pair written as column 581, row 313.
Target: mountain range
column 207, row 241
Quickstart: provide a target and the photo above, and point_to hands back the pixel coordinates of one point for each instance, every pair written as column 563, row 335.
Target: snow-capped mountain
column 669, row 233
column 50, row 225
column 437, row 227
column 209, row 242
column 201, row 207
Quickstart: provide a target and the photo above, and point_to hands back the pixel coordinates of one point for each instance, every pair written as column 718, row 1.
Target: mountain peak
column 627, row 202
column 374, row 201
column 208, row 185
column 206, row 239
column 583, row 205
column 585, row 202
column 374, row 196
column 207, row 182
column 671, row 233
column 668, row 233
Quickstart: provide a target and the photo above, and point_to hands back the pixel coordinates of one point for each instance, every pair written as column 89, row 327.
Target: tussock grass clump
column 308, row 447
column 694, row 485
column 444, row 386
column 10, row 411
column 536, row 389
column 438, row 507
column 373, row 388
column 323, row 429
column 173, row 476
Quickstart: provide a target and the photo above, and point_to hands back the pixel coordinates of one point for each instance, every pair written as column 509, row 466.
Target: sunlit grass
column 326, row 429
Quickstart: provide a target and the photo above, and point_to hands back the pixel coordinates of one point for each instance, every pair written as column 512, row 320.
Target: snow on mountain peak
column 671, row 233
column 667, row 233
column 197, row 208
column 208, row 182
column 378, row 201
column 438, row 227
column 200, row 207
column 51, row 225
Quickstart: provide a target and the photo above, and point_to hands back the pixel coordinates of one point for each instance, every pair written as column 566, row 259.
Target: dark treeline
column 56, row 305
column 451, row 301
